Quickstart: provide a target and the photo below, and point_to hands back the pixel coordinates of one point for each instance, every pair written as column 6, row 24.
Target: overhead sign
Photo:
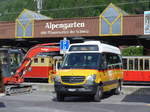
column 66, row 27
column 64, row 45
column 146, row 22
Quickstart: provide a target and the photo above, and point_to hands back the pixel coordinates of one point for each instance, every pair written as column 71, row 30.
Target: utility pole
column 39, row 5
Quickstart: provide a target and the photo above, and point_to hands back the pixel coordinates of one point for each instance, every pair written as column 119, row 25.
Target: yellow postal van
column 89, row 68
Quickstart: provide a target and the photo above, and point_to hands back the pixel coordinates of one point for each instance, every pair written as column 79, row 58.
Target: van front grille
column 72, row 79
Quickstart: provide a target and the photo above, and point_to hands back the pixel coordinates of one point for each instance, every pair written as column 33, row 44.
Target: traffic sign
column 64, row 45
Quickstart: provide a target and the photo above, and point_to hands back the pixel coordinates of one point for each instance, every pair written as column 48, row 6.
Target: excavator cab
column 10, row 61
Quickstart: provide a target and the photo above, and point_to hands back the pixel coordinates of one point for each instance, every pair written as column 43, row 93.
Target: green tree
column 133, row 51
column 10, row 9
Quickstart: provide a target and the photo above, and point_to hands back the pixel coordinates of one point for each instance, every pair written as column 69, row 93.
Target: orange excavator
column 14, row 79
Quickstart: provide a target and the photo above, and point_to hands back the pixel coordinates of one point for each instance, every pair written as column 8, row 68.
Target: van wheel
column 60, row 97
column 98, row 94
column 117, row 90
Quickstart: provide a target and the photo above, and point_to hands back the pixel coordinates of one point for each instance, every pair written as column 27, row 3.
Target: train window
column 130, row 64
column 136, row 64
column 141, row 64
column 42, row 60
column 35, row 60
column 50, row 60
column 146, row 64
column 124, row 64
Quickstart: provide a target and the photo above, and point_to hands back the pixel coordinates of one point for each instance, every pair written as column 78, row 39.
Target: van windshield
column 81, row 61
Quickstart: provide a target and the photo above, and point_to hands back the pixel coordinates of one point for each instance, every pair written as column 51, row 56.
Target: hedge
column 133, row 51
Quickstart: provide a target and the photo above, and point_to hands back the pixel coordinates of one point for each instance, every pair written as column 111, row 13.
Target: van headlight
column 90, row 79
column 57, row 78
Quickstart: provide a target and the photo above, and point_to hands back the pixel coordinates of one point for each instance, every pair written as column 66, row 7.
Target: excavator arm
column 14, row 83
column 18, row 77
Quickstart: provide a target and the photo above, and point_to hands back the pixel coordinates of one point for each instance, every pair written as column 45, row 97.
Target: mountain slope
column 10, row 9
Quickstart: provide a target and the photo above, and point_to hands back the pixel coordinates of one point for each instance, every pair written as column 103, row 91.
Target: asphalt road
column 46, row 102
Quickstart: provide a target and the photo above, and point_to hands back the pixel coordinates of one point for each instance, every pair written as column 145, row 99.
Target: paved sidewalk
column 136, row 90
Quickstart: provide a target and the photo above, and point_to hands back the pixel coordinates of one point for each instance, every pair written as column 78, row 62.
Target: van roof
column 101, row 47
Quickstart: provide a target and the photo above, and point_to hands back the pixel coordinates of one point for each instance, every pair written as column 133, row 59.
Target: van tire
column 98, row 95
column 60, row 96
column 117, row 91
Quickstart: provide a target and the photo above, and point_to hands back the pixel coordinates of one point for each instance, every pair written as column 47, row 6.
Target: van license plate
column 71, row 90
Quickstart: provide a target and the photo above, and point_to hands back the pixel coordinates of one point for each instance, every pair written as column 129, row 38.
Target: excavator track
column 17, row 89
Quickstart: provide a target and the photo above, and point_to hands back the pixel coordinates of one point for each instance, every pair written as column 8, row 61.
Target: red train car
column 41, row 68
column 136, row 69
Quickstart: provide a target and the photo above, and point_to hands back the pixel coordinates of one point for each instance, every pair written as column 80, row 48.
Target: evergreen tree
column 10, row 9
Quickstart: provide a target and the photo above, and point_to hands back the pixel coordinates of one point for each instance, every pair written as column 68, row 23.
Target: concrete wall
column 133, row 25
column 7, row 30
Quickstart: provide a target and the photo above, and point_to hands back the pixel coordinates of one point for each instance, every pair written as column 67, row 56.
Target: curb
column 2, row 94
column 136, row 90
column 41, row 86
column 127, row 90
